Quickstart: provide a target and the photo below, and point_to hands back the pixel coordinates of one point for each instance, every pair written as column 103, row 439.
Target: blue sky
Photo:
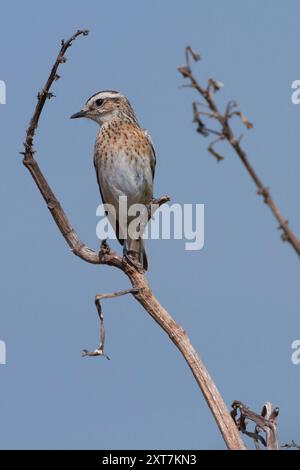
column 238, row 298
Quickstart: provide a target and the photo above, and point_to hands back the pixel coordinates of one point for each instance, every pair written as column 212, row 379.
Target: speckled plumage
column 124, row 159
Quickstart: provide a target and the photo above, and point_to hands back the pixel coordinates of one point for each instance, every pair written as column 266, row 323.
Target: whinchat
column 124, row 160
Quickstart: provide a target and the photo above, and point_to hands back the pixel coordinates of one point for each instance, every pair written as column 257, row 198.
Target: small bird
column 124, row 160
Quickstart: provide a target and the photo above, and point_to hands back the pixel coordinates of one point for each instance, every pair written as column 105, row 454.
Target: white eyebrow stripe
column 107, row 94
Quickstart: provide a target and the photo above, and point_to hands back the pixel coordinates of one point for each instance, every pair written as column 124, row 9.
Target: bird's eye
column 99, row 102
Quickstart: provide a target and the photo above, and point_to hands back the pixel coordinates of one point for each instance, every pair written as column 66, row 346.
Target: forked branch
column 265, row 422
column 141, row 290
column 208, row 109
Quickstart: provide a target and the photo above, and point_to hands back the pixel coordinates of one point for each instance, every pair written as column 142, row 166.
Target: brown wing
column 98, row 181
column 153, row 155
column 104, row 202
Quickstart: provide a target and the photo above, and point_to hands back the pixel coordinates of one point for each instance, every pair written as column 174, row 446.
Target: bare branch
column 265, row 422
column 189, row 51
column 227, row 133
column 45, row 93
column 142, row 291
column 291, row 445
column 211, row 149
column 99, row 351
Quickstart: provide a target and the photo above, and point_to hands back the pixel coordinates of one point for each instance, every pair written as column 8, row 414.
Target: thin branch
column 207, row 93
column 45, row 93
column 143, row 293
column 211, row 149
column 99, row 351
column 291, row 445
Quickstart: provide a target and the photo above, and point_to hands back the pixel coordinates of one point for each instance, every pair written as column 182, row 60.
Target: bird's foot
column 104, row 248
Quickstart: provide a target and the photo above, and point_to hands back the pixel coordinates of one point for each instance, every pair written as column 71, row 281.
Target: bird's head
column 105, row 106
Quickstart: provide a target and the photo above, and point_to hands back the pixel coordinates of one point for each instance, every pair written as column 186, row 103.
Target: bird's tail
column 138, row 250
column 144, row 256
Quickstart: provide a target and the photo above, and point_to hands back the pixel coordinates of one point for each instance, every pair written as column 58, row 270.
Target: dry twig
column 291, row 445
column 99, row 351
column 265, row 422
column 226, row 133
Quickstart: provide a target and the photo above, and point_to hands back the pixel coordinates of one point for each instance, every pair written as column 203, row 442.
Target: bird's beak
column 81, row 114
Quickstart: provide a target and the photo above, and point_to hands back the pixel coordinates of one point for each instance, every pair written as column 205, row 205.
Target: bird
column 124, row 161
